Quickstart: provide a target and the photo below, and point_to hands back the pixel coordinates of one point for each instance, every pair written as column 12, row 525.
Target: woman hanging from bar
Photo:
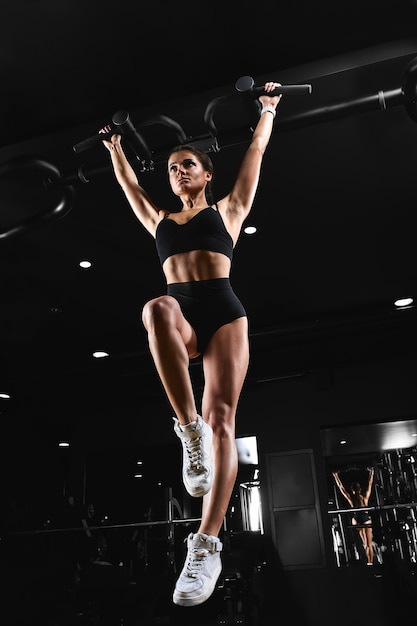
column 200, row 315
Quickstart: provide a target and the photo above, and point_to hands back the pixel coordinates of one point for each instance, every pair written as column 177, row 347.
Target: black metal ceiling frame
column 212, row 141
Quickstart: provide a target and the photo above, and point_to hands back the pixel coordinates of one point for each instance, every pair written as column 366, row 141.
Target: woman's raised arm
column 142, row 205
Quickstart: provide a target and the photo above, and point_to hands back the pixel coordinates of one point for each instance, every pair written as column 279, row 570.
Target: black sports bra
column 204, row 231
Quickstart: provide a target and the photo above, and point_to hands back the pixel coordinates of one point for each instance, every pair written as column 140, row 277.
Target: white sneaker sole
column 183, row 599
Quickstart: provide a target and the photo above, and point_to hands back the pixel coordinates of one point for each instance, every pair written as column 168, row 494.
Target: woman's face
column 186, row 173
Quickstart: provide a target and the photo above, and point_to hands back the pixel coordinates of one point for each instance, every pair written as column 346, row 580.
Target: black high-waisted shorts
column 207, row 305
column 362, row 517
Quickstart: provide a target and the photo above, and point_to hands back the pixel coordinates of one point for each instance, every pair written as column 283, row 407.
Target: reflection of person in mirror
column 359, row 498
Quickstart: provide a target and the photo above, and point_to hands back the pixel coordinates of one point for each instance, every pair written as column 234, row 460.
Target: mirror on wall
column 371, row 474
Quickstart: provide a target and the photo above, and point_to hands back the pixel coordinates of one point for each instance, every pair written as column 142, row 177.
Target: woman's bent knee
column 160, row 310
column 161, row 316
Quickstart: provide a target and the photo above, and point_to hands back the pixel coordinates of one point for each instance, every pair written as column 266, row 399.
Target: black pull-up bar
column 405, row 95
column 246, row 85
column 122, row 124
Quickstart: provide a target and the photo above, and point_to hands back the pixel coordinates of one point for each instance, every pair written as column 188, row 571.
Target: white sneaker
column 197, row 463
column 201, row 570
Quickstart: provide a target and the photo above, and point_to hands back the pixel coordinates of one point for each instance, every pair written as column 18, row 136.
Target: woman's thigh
column 368, row 535
column 225, row 365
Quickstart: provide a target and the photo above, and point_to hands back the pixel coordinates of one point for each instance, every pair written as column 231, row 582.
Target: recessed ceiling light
column 100, row 354
column 403, row 302
column 85, row 264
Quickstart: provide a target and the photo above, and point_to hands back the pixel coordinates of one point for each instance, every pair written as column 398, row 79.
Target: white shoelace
column 193, row 447
column 196, row 558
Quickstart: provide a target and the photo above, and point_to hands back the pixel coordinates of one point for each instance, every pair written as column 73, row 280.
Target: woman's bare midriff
column 196, row 265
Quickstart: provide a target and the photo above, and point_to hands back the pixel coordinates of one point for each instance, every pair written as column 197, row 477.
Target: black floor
column 108, row 603
column 48, row 588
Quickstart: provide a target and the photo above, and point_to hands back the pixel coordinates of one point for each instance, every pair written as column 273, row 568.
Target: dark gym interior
column 92, row 533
